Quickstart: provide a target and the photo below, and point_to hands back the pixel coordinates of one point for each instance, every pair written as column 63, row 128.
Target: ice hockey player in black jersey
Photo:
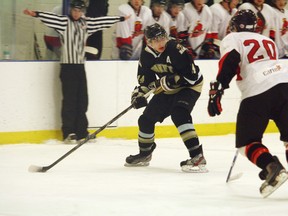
column 166, row 66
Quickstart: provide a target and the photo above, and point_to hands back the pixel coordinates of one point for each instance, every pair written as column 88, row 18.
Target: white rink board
column 31, row 95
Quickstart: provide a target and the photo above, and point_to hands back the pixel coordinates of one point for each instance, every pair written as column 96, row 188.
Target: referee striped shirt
column 74, row 33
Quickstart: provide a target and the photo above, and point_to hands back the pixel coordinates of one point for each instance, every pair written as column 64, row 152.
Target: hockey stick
column 237, row 176
column 37, row 51
column 34, row 168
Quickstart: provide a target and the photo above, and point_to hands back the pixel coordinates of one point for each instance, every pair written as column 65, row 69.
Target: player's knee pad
column 180, row 116
column 145, row 124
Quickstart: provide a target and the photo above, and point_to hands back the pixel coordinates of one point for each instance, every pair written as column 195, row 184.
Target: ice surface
column 93, row 181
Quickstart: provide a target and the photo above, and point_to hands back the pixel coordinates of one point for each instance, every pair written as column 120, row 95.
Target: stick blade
column 234, row 177
column 91, row 50
column 34, row 168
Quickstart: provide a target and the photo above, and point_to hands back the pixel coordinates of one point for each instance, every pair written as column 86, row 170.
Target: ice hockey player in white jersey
column 129, row 34
column 282, row 16
column 263, row 82
column 267, row 22
column 177, row 18
column 222, row 13
column 178, row 23
column 199, row 20
column 159, row 16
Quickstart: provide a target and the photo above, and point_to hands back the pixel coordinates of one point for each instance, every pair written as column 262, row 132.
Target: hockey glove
column 125, row 51
column 137, row 99
column 166, row 83
column 215, row 94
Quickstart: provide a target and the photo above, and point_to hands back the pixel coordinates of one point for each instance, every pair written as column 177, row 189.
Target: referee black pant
column 75, row 100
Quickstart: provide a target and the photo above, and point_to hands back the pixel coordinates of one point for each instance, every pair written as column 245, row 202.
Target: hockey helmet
column 159, row 2
column 155, row 32
column 243, row 20
column 77, row 4
column 180, row 3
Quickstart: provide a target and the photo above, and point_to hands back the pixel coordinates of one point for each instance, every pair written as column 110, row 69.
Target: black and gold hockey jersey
column 175, row 60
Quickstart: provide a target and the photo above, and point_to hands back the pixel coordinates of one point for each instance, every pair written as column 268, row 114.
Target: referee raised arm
column 74, row 30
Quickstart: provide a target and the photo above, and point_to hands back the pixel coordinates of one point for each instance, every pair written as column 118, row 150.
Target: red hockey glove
column 215, row 94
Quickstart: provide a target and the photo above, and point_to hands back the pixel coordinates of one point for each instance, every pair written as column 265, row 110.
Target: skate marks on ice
column 94, row 181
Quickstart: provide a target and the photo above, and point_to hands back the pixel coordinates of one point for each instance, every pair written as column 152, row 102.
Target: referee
column 74, row 30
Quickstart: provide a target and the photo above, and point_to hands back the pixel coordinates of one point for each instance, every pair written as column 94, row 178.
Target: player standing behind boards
column 129, row 34
column 74, row 30
column 166, row 66
column 282, row 15
column 222, row 13
column 263, row 82
column 159, row 16
column 177, row 26
column 267, row 22
column 199, row 20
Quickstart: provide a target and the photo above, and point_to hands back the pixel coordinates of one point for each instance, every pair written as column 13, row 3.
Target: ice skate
column 140, row 160
column 92, row 139
column 196, row 164
column 276, row 176
column 70, row 139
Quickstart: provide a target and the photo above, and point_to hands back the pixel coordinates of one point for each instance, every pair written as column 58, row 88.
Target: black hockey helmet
column 243, row 20
column 155, row 32
column 159, row 2
column 180, row 3
column 77, row 4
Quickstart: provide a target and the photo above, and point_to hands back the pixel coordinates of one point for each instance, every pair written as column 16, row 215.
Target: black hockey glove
column 137, row 99
column 215, row 94
column 125, row 51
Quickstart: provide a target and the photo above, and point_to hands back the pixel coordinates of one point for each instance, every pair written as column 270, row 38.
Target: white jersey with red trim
column 254, row 59
column 269, row 26
column 131, row 31
column 220, row 21
column 177, row 24
column 282, row 16
column 163, row 20
column 199, row 24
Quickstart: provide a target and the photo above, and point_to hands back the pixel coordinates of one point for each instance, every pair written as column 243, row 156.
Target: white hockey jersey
column 163, row 20
column 199, row 24
column 282, row 16
column 220, row 21
column 132, row 30
column 256, row 60
column 176, row 24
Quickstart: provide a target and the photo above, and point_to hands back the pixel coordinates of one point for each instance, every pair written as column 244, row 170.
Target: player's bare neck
column 136, row 10
column 258, row 7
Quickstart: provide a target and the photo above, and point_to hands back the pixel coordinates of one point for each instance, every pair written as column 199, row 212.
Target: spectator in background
column 96, row 8
column 199, row 20
column 129, row 34
column 52, row 39
column 282, row 16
